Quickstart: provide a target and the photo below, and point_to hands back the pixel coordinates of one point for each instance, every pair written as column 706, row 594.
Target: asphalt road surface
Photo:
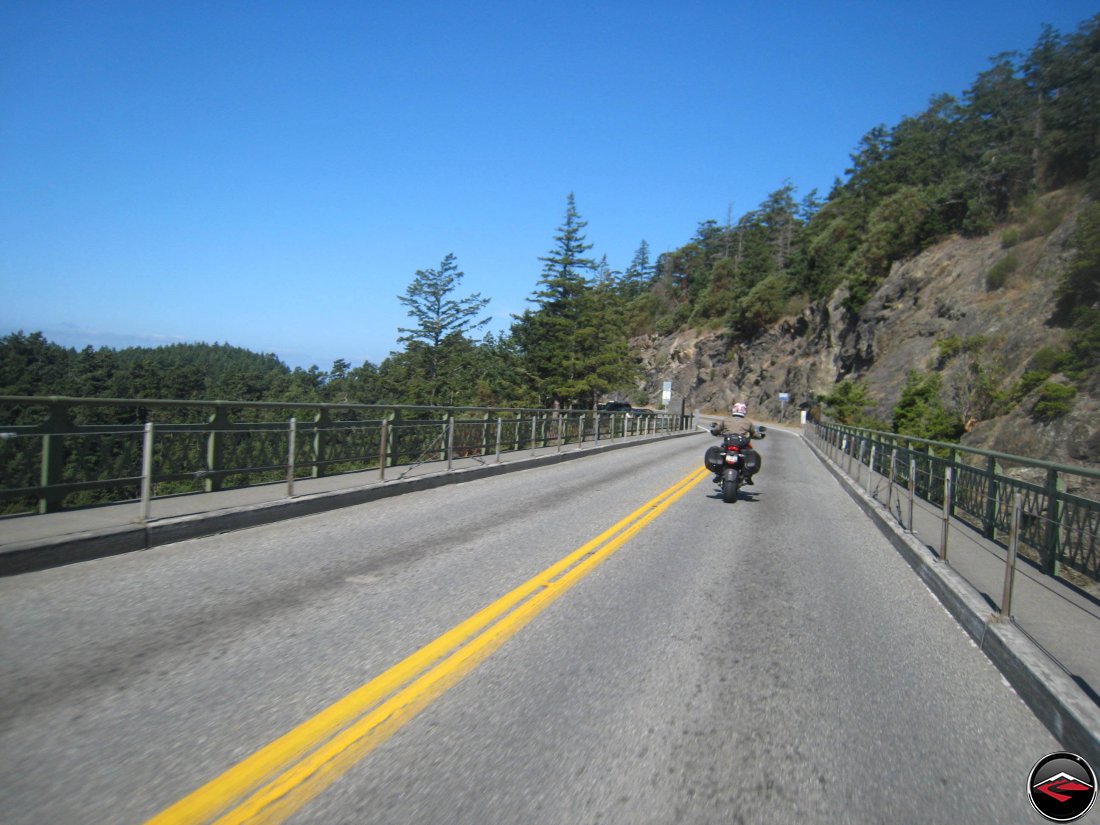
column 772, row 660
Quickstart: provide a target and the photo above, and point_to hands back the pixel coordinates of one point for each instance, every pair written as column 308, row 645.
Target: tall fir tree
column 439, row 340
column 566, row 270
column 572, row 348
column 639, row 275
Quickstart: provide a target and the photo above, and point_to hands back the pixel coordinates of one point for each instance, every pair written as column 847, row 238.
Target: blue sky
column 272, row 174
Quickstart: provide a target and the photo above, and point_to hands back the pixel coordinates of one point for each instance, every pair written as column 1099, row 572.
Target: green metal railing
column 974, row 486
column 63, row 453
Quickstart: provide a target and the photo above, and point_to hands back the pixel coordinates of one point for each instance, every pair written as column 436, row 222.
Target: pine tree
column 565, row 270
column 639, row 275
column 574, row 343
column 443, row 323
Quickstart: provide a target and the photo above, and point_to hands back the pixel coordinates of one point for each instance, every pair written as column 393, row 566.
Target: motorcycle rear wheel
column 729, row 490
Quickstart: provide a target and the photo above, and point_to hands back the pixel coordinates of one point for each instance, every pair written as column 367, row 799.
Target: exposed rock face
column 941, row 294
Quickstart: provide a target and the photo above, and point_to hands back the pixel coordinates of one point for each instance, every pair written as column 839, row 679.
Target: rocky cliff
column 988, row 301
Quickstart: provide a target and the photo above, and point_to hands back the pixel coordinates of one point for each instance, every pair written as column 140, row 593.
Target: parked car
column 615, row 407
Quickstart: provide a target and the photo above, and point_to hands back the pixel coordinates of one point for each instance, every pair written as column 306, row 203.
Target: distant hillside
column 948, row 287
column 953, row 336
column 1028, row 126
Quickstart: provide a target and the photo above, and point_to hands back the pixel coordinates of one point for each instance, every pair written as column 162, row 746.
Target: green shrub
column 1045, row 219
column 1010, row 237
column 998, row 275
column 947, row 349
column 1027, row 383
column 974, row 343
column 1083, row 358
column 953, row 346
column 979, row 219
column 1055, row 400
column 847, row 402
column 920, row 411
column 1079, row 298
column 1048, row 360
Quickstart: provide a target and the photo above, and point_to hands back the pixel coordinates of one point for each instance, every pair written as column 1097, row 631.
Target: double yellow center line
column 281, row 777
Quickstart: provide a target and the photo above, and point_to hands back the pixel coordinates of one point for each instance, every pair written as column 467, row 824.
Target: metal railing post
column 992, row 496
column 500, row 426
column 1052, row 538
column 383, row 448
column 320, row 443
column 953, row 455
column 534, row 430
column 944, row 530
column 871, row 467
column 893, row 477
column 52, row 468
column 147, row 471
column 215, row 449
column 450, row 442
column 912, row 489
column 1010, row 560
column 291, row 437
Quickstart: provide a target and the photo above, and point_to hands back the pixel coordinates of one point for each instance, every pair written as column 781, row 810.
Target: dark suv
column 615, row 406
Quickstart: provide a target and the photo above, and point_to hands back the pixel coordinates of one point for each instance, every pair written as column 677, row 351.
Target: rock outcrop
column 940, row 301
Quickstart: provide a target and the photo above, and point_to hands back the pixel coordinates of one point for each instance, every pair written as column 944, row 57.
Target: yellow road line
column 278, row 779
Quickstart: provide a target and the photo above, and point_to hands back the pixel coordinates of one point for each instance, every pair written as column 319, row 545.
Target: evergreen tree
column 31, row 365
column 639, row 275
column 573, row 343
column 443, row 322
column 920, row 411
column 848, row 402
column 566, row 270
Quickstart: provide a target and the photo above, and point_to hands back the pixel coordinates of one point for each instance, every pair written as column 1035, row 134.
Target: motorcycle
column 733, row 462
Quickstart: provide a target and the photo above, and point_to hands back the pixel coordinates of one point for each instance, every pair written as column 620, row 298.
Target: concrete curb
column 1055, row 699
column 108, row 541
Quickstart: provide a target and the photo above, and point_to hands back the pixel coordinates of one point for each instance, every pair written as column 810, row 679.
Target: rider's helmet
column 739, row 410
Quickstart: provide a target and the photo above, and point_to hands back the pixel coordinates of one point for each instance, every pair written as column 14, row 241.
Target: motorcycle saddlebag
column 752, row 461
column 713, row 460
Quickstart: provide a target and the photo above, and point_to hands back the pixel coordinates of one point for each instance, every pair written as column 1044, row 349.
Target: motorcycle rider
column 742, row 425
